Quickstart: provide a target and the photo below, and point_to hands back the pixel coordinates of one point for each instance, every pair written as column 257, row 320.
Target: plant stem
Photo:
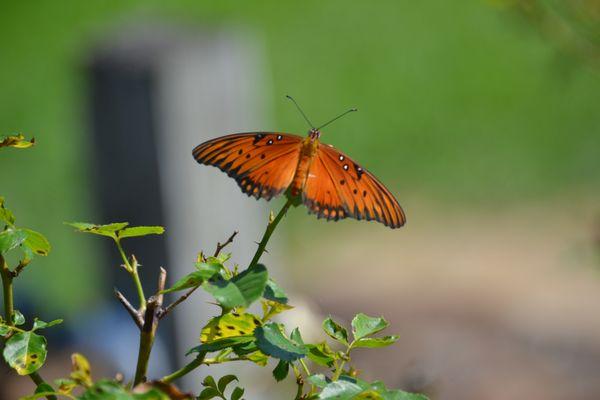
column 9, row 310
column 7, row 290
column 148, row 331
column 133, row 271
column 268, row 232
column 186, row 369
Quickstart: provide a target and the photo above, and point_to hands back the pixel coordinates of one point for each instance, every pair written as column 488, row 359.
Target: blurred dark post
column 156, row 93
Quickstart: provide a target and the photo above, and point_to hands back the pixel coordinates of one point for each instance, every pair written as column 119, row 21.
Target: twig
column 268, row 232
column 148, row 331
column 135, row 314
column 222, row 246
column 163, row 312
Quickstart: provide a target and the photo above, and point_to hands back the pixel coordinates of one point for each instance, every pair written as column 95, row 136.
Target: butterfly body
column 329, row 183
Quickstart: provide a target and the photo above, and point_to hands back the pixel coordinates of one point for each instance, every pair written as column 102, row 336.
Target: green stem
column 133, row 271
column 9, row 310
column 198, row 361
column 7, row 290
column 268, row 232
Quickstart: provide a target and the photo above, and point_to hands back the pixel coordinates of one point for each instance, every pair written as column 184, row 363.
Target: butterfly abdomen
column 307, row 153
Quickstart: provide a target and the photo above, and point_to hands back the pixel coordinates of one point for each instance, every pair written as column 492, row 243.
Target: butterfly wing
column 337, row 187
column 262, row 163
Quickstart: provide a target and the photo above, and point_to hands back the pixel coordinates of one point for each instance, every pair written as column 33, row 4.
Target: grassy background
column 460, row 102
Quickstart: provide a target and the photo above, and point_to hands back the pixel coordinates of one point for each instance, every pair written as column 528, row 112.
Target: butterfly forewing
column 262, row 163
column 341, row 188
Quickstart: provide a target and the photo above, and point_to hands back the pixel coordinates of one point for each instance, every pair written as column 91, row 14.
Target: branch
column 268, row 232
column 148, row 331
column 222, row 246
column 135, row 314
column 162, row 313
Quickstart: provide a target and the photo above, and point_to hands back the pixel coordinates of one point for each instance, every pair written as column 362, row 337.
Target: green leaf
column 4, row 329
column 241, row 290
column 229, row 325
column 16, row 141
column 318, row 380
column 18, row 318
column 196, row 278
column 335, row 331
column 109, row 390
column 363, row 325
column 37, row 324
column 281, row 370
column 11, row 238
column 209, row 381
column 221, row 344
column 224, row 381
column 321, row 354
column 65, row 385
column 237, row 393
column 340, row 390
column 104, row 230
column 375, row 342
column 274, row 292
column 208, row 393
column 296, row 337
column 37, row 242
column 5, row 214
column 25, row 352
column 44, row 387
column 271, row 341
column 137, row 231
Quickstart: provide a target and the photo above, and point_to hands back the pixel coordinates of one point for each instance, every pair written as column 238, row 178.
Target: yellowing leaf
column 229, row 325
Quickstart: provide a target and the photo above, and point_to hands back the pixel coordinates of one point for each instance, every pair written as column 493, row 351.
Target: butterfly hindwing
column 337, row 187
column 262, row 163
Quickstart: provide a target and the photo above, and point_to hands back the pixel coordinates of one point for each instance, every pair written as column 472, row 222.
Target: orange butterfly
column 329, row 183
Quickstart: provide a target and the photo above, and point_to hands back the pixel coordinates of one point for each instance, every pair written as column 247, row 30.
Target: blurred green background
column 467, row 103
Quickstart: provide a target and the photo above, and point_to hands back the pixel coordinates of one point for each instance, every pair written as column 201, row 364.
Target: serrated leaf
column 241, row 290
column 137, row 231
column 229, row 325
column 237, row 393
column 65, row 386
column 271, row 341
column 110, row 390
column 38, row 324
column 195, row 278
column 363, row 325
column 209, row 381
column 25, row 352
column 4, row 329
column 335, row 331
column 224, row 381
column 375, row 342
column 281, row 370
column 18, row 318
column 321, row 354
column 208, row 393
column 318, row 380
column 103, row 230
column 11, row 238
column 6, row 215
column 37, row 242
column 221, row 344
column 81, row 370
column 16, row 141
column 340, row 390
column 274, row 292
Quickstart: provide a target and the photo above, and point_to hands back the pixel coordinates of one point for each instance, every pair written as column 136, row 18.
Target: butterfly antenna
column 338, row 117
column 301, row 112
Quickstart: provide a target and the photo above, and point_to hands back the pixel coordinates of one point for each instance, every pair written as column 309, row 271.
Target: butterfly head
column 314, row 134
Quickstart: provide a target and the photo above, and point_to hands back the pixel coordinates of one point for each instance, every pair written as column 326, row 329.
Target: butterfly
column 328, row 182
